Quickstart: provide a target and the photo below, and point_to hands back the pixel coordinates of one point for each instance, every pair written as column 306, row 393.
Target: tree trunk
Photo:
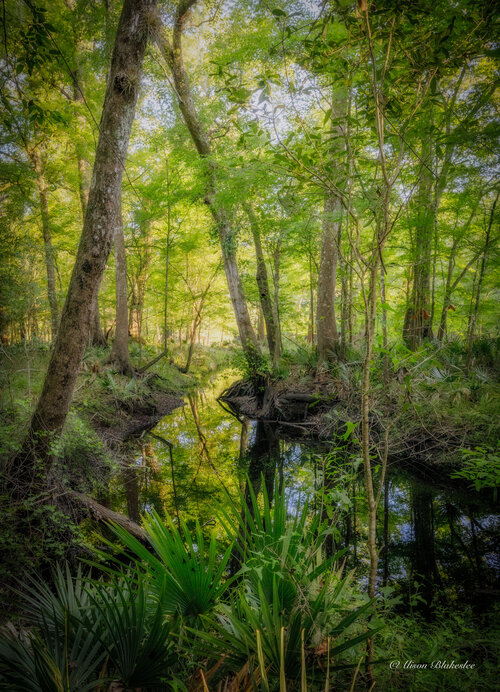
column 140, row 280
column 263, row 286
column 261, row 326
column 119, row 353
column 417, row 323
column 174, row 58
column 84, row 172
column 276, row 298
column 326, row 325
column 102, row 217
column 474, row 313
column 167, row 258
column 310, row 330
column 47, row 242
column 447, row 295
column 449, row 285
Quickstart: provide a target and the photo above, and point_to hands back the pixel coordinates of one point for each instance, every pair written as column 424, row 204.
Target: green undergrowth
column 420, row 654
column 430, row 393
column 259, row 608
column 157, row 616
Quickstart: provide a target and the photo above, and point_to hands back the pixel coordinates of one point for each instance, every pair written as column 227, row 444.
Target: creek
column 439, row 541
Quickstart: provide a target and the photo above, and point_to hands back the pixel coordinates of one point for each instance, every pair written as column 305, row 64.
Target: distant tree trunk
column 119, row 353
column 326, row 325
column 167, row 258
column 141, row 280
column 174, row 58
column 102, row 217
column 475, row 311
column 344, row 283
column 386, row 366
column 196, row 322
column 47, row 241
column 310, row 330
column 417, row 323
column 449, row 285
column 276, row 295
column 263, row 286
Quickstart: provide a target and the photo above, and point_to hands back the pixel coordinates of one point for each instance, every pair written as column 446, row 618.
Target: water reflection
column 435, row 542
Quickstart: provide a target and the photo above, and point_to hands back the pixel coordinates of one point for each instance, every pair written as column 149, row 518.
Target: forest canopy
column 321, row 132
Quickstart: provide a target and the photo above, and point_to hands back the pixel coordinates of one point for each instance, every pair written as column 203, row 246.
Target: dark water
column 438, row 542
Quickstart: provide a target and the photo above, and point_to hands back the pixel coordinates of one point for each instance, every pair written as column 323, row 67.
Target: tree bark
column 47, row 241
column 119, row 356
column 417, row 323
column 174, row 59
column 263, row 286
column 326, row 324
column 103, row 216
column 84, row 171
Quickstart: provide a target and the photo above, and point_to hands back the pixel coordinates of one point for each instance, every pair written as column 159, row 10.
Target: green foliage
column 481, row 466
column 252, row 365
column 450, row 636
column 186, row 579
column 34, row 534
column 164, row 616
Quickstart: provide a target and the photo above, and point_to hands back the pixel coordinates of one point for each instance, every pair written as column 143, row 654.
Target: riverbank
column 430, row 403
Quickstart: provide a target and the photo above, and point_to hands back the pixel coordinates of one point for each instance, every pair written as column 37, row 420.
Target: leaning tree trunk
column 97, row 337
column 47, row 242
column 174, row 59
column 102, row 217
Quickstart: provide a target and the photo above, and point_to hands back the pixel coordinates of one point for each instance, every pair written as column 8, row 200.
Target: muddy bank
column 144, row 417
column 276, row 403
column 320, row 412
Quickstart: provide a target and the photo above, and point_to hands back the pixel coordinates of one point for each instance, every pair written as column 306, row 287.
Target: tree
column 120, row 356
column 102, row 217
column 266, row 303
column 42, row 186
column 173, row 56
column 326, row 324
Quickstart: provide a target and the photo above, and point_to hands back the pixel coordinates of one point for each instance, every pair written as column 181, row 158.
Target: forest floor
column 431, row 403
column 112, row 406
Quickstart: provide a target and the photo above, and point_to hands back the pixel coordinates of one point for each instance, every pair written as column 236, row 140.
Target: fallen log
column 101, row 513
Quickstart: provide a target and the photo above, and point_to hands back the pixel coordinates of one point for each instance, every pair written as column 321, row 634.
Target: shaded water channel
column 439, row 543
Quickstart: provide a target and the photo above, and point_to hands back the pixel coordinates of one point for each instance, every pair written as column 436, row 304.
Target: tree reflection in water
column 430, row 535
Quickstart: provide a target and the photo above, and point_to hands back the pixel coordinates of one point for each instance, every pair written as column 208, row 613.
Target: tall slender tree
column 173, row 55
